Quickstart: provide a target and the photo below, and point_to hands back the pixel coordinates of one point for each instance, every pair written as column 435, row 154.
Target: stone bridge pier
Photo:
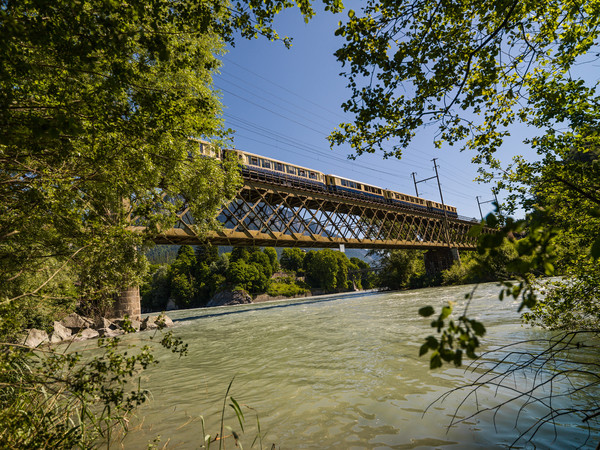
column 128, row 303
column 440, row 259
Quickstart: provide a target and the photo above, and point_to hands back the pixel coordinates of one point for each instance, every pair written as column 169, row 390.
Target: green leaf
column 432, row 342
column 458, row 358
column 426, row 311
column 475, row 231
column 446, row 311
column 478, row 328
column 238, row 412
column 491, row 220
column 424, row 349
column 435, row 361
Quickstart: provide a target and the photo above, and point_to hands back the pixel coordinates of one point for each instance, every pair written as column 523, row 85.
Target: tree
column 247, row 276
column 399, row 268
column 327, row 269
column 412, row 64
column 272, row 254
column 156, row 291
column 98, row 102
column 291, row 259
column 474, row 70
column 182, row 275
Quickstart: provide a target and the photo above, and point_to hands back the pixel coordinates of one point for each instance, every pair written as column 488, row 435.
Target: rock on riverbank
column 227, row 298
column 78, row 328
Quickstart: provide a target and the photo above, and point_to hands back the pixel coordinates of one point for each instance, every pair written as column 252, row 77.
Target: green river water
column 338, row 372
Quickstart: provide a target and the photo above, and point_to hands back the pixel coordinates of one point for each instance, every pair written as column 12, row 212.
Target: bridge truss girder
column 266, row 214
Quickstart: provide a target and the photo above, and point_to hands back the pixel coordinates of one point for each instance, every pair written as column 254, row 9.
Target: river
column 341, row 372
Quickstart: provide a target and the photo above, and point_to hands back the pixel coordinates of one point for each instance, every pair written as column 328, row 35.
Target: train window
column 279, row 167
column 312, row 175
column 344, row 183
column 291, row 170
column 301, row 173
column 253, row 161
column 266, row 164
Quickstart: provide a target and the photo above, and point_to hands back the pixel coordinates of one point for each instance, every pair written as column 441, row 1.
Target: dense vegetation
column 198, row 274
column 98, row 100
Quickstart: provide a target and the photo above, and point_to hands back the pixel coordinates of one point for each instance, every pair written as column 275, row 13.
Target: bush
column 287, row 287
column 63, row 400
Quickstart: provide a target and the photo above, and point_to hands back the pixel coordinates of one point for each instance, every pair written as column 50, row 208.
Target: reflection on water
column 335, row 372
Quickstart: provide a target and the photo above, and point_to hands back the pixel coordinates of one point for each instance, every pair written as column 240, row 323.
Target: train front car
column 345, row 186
column 268, row 169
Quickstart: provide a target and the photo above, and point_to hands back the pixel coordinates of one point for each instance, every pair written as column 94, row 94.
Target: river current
column 343, row 372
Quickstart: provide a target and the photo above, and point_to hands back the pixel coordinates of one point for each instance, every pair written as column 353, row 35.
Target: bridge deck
column 267, row 213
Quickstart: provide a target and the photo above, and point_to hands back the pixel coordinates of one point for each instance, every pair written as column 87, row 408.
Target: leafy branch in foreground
column 521, row 378
column 58, row 398
column 535, row 252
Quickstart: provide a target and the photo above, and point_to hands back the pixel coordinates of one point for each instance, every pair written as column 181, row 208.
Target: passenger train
column 281, row 171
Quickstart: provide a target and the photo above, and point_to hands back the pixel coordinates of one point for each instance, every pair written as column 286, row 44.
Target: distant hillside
column 162, row 254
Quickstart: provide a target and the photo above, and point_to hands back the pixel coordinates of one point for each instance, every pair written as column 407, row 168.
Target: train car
column 206, row 148
column 338, row 184
column 439, row 208
column 284, row 172
column 452, row 211
column 398, row 198
column 435, row 207
column 409, row 201
column 280, row 170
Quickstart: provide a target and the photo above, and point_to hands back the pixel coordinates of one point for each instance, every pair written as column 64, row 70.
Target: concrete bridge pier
column 127, row 302
column 440, row 259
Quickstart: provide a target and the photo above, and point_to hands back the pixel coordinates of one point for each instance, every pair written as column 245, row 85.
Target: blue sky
column 283, row 104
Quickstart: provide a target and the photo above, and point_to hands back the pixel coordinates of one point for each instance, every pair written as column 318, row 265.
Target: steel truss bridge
column 267, row 212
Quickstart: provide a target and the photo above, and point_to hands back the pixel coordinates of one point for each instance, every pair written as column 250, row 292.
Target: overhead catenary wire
column 283, row 88
column 456, row 187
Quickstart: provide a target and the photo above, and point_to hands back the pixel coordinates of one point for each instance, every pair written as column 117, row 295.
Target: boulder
column 86, row 333
column 154, row 322
column 35, row 338
column 102, row 322
column 60, row 333
column 166, row 320
column 76, row 322
column 109, row 332
column 226, row 298
column 121, row 322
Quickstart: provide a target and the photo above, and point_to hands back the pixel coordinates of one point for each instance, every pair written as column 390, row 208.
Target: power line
column 256, row 86
column 268, row 101
column 283, row 87
column 273, row 112
column 265, row 132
